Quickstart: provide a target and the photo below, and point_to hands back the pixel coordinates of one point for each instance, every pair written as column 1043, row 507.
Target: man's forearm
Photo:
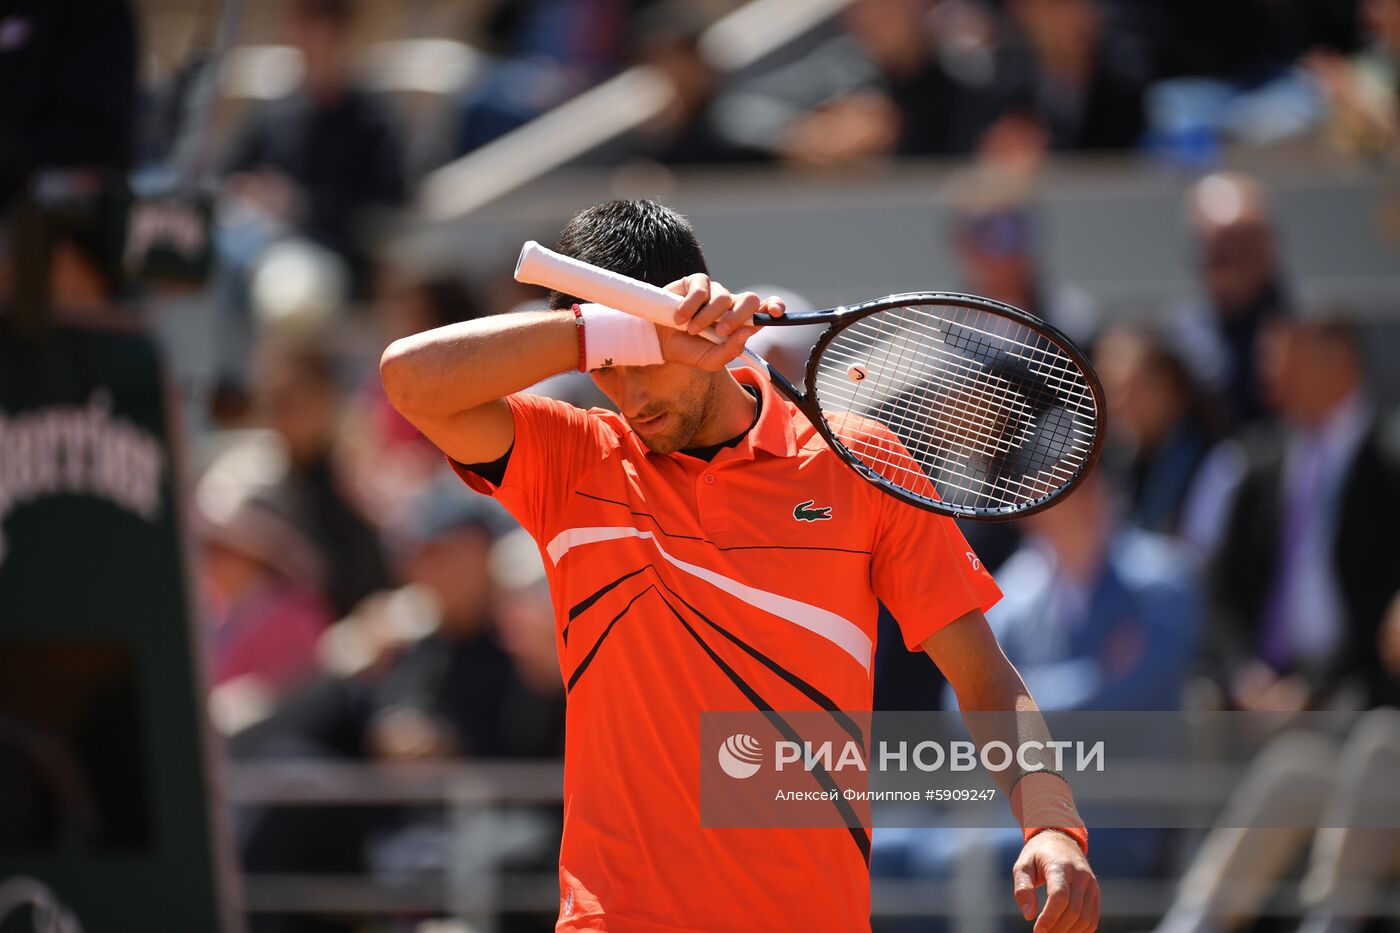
column 997, row 707
column 1001, row 710
column 456, row 368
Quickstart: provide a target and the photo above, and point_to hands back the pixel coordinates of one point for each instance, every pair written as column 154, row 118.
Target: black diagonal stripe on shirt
column 592, row 652
column 587, row 603
column 807, row 690
column 843, row 806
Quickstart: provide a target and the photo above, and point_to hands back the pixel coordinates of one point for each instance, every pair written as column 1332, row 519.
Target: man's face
column 1238, row 264
column 454, row 566
column 887, row 28
column 665, row 404
column 995, row 252
column 1141, row 393
column 1300, row 368
column 298, row 405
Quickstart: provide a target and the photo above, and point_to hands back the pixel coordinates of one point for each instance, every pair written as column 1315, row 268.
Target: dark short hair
column 641, row 239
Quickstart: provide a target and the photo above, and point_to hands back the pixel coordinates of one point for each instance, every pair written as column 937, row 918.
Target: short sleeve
column 555, row 445
column 924, row 572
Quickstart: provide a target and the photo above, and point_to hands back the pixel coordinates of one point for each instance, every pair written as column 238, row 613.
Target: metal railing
column 478, row 796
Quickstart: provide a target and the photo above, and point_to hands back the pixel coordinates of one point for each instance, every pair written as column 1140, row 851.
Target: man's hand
column 1071, row 890
column 710, row 304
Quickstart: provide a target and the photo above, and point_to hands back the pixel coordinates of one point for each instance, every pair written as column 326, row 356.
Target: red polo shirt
column 681, row 585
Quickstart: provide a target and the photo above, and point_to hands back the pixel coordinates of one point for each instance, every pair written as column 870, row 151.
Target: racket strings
column 956, row 418
column 958, row 404
column 970, row 397
column 974, row 371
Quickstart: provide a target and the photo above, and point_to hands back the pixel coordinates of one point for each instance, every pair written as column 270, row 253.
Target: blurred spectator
column 1097, row 616
column 259, row 579
column 299, row 396
column 1065, row 69
column 1363, row 90
column 390, row 461
column 1247, row 39
column 419, row 674
column 997, row 244
column 320, row 159
column 81, row 216
column 1302, row 779
column 524, row 613
column 1231, row 75
column 457, row 691
column 1159, row 423
column 548, row 51
column 1243, row 287
column 879, row 89
column 69, row 72
column 66, row 141
column 666, row 37
column 1309, row 558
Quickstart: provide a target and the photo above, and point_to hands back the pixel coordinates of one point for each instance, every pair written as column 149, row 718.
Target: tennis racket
column 952, row 403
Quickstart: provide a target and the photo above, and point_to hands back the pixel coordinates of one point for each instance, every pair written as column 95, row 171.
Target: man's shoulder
column 550, row 414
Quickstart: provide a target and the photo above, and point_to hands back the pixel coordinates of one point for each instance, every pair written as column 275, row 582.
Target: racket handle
column 540, row 266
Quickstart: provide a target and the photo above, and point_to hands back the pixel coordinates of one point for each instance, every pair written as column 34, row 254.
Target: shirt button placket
column 713, row 514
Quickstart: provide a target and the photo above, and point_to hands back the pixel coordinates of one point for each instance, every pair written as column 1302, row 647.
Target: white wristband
column 616, row 338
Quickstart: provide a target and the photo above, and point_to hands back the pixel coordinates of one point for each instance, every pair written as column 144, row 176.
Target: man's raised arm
column 451, row 381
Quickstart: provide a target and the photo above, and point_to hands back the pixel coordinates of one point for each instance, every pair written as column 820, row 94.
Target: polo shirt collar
column 774, row 432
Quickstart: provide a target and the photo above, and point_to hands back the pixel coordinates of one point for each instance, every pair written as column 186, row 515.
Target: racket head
column 956, row 404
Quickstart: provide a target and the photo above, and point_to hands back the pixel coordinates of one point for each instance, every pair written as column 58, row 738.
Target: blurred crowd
column 304, row 181
column 940, row 77
column 1237, row 548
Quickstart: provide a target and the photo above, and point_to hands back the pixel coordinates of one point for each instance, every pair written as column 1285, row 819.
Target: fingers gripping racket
column 952, row 403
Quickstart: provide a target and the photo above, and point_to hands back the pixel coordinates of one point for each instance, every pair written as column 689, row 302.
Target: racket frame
column 838, row 319
column 541, row 266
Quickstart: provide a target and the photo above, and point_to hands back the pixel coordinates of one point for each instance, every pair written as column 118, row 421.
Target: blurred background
column 1205, row 194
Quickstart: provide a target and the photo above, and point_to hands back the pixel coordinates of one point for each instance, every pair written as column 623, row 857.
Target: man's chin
column 659, row 434
column 660, row 444
column 665, row 442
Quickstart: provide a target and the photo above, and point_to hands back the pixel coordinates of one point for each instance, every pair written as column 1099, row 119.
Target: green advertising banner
column 105, row 804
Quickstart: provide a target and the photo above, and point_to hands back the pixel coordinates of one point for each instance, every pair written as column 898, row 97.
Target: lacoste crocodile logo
column 804, row 512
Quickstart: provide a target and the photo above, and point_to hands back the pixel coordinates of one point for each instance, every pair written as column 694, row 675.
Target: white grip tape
column 616, row 338
column 540, row 266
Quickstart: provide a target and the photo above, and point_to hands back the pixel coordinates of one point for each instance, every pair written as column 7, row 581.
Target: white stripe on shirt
column 840, row 631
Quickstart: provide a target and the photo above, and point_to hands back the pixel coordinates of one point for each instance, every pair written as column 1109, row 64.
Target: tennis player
column 706, row 551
